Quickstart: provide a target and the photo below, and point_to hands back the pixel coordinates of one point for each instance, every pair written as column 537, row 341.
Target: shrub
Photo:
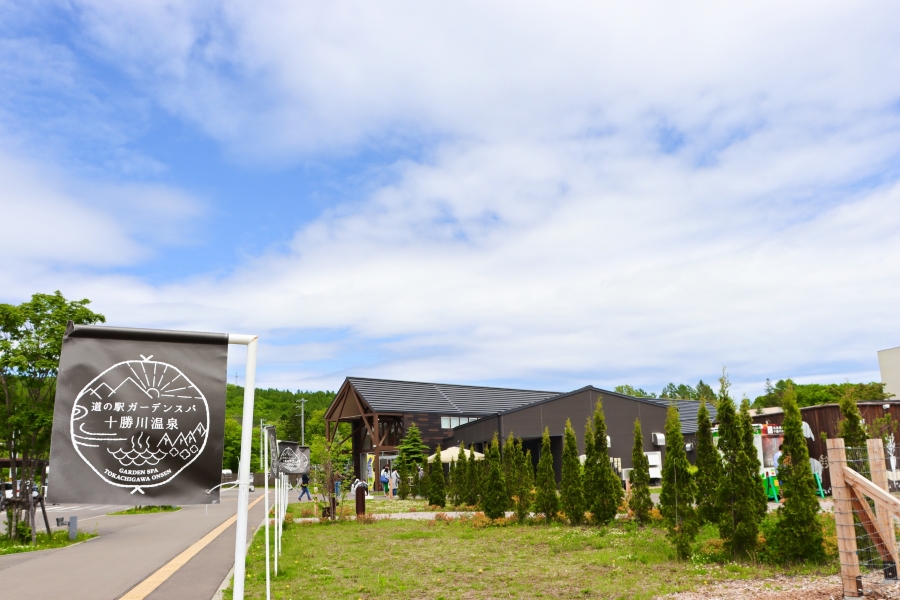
column 480, row 521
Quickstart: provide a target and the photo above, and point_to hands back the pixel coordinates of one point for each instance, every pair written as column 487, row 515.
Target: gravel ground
column 795, row 588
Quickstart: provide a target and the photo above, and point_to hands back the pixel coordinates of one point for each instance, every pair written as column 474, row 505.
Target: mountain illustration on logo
column 186, row 441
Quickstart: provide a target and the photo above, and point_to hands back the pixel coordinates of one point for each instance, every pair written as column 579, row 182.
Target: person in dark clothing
column 304, row 487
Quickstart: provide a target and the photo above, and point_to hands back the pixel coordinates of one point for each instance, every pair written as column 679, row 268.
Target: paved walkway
column 128, row 550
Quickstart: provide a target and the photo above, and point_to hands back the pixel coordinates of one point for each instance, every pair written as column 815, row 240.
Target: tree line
column 724, row 489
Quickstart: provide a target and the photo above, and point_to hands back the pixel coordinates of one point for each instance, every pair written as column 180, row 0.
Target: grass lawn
column 60, row 539
column 458, row 560
column 145, row 510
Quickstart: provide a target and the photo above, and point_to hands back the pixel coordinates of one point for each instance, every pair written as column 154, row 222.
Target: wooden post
column 843, row 518
column 885, row 519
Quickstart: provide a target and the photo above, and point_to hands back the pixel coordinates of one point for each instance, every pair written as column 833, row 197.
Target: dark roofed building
column 381, row 410
column 528, row 422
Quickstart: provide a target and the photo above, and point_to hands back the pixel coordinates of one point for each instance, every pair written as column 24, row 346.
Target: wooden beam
column 878, row 468
column 843, row 517
column 866, row 487
column 347, row 437
column 365, row 416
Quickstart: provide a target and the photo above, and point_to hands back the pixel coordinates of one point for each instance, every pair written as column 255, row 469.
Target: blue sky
column 486, row 193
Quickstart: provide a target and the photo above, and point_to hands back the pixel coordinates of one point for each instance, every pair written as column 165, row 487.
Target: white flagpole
column 266, row 520
column 277, row 528
column 240, row 538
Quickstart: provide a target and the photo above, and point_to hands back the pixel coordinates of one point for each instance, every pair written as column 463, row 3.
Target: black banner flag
column 293, row 459
column 273, row 451
column 139, row 417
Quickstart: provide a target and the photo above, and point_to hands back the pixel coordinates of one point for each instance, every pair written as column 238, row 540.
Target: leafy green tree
column 571, row 485
column 851, row 427
column 547, row 500
column 736, row 500
column 31, row 337
column 676, row 500
column 609, row 485
column 679, row 392
column 231, row 451
column 705, row 392
column 813, row 394
column 495, row 499
column 640, row 502
column 437, row 486
column 709, row 468
column 634, row 392
column 798, row 534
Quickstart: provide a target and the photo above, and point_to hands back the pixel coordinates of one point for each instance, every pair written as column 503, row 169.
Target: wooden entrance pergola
column 383, row 430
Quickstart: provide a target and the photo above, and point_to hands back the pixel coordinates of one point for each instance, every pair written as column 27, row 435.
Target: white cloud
column 597, row 193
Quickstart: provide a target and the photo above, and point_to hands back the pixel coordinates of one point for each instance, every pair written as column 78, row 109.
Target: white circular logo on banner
column 140, row 423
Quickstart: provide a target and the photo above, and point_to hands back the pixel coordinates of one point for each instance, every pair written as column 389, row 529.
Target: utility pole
column 302, row 402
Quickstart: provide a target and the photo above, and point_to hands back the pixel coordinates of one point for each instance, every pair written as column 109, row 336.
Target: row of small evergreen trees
column 724, row 489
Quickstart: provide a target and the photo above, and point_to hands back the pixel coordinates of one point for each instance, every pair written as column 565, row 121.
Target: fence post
column 843, row 518
column 885, row 520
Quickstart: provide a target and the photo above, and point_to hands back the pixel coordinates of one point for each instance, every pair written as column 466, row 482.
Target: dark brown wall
column 529, row 423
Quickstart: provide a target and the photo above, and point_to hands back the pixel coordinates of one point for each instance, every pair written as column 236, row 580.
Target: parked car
column 8, row 489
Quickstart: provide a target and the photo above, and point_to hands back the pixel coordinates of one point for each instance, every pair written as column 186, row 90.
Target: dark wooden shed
column 824, row 419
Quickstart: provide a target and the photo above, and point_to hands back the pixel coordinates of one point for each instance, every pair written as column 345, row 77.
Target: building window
column 451, row 422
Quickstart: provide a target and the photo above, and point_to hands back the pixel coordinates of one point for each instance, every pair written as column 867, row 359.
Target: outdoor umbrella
column 451, row 454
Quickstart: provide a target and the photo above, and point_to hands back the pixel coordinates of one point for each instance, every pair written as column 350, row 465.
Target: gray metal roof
column 385, row 395
column 687, row 412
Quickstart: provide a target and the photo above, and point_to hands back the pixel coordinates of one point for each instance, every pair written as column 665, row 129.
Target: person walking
column 304, row 487
column 395, row 483
column 386, row 481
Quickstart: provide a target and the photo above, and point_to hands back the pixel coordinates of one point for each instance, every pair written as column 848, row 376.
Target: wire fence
column 875, row 551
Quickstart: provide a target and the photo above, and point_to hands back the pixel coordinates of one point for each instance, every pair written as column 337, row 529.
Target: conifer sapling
column 547, row 500
column 640, row 502
column 676, row 501
column 571, row 486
